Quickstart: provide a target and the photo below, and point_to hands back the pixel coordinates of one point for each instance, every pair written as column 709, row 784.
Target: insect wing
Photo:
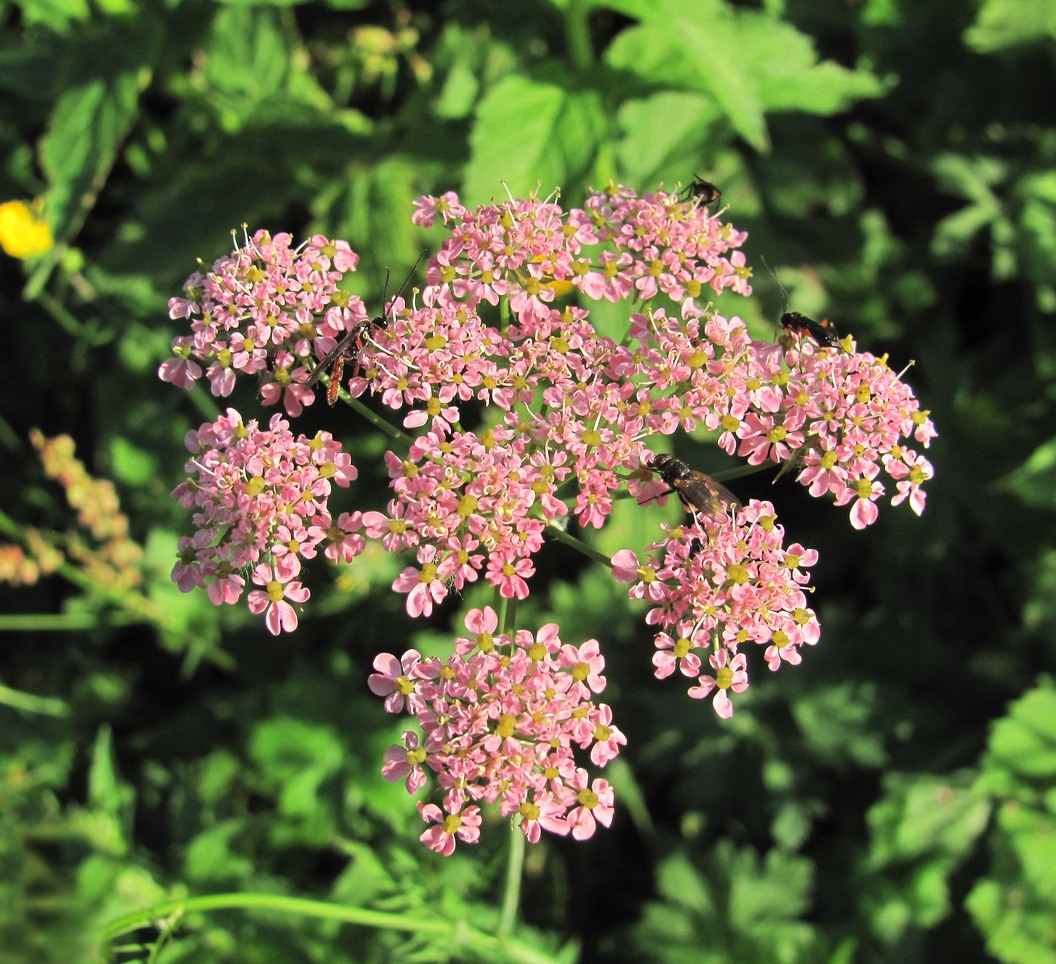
column 704, row 494
column 330, row 358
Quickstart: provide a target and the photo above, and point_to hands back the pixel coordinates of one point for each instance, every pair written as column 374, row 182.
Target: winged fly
column 703, row 191
column 698, row 492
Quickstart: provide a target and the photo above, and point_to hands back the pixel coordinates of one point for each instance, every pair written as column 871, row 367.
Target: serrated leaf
column 211, row 855
column 663, row 54
column 1034, row 482
column 247, row 58
column 286, row 747
column 1032, row 836
column 748, row 62
column 663, row 135
column 530, row 132
column 110, row 798
column 57, row 15
column 261, row 3
column 132, row 464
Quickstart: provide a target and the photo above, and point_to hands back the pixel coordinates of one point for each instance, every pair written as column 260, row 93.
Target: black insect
column 823, row 332
column 704, row 191
column 352, row 342
column 698, row 492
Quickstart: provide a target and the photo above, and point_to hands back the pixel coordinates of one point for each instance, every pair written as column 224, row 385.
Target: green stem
column 397, row 435
column 502, row 611
column 65, row 319
column 511, row 897
column 578, row 544
column 47, row 705
column 457, row 932
column 63, row 622
column 577, row 35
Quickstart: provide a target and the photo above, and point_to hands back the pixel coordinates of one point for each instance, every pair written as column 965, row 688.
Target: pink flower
column 510, row 576
column 594, row 805
column 423, row 586
column 406, row 762
column 729, row 675
column 279, row 615
column 393, row 680
column 464, row 826
column 543, row 813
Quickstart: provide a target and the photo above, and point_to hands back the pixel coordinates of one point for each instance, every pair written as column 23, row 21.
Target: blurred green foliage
column 892, row 799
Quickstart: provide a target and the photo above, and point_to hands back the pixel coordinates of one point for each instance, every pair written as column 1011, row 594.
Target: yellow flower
column 23, row 234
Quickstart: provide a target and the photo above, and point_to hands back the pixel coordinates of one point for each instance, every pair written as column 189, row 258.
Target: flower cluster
column 260, row 503
column 837, row 415
column 715, row 587
column 266, row 310
column 500, row 722
column 521, row 416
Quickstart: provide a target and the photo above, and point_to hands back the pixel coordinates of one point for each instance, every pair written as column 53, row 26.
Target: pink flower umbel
column 256, row 496
column 573, row 421
column 267, row 310
column 502, row 721
column 717, row 587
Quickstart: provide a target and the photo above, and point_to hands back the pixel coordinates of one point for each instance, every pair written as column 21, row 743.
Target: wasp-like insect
column 352, row 342
column 705, row 192
column 698, row 492
column 823, row 332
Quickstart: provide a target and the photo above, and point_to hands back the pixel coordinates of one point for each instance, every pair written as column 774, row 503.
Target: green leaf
column 664, row 134
column 247, row 59
column 108, row 821
column 532, row 132
column 1015, row 904
column 212, row 855
column 746, row 905
column 286, row 747
column 57, row 15
column 85, row 131
column 747, row 62
column 247, row 4
column 1024, row 742
column 1037, row 231
column 1034, row 482
column 132, row 464
column 1009, row 23
column 926, row 817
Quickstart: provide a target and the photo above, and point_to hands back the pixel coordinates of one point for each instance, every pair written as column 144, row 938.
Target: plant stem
column 47, row 705
column 578, row 544
column 511, row 896
column 397, row 435
column 457, row 932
